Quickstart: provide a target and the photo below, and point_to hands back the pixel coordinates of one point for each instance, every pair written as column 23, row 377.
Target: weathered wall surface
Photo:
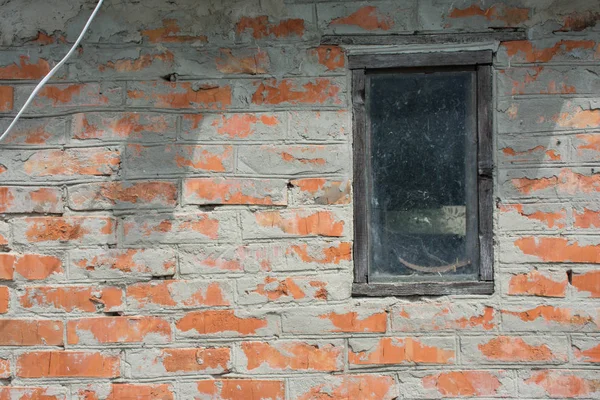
column 193, row 239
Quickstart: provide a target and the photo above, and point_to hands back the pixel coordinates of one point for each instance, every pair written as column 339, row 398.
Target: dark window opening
column 422, row 162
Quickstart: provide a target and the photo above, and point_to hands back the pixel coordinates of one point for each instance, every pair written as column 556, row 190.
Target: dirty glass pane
column 422, row 220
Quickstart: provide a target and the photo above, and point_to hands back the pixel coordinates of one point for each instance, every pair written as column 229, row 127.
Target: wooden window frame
column 479, row 60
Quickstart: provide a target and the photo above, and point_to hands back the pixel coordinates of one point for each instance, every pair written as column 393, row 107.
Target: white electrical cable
column 53, row 71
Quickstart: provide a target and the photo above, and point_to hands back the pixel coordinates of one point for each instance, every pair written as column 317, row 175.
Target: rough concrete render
column 176, row 207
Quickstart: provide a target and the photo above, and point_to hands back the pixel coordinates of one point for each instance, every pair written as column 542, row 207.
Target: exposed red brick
column 126, row 391
column 503, row 348
column 297, row 356
column 118, row 329
column 562, row 316
column 321, row 223
column 535, row 283
column 347, row 387
column 25, row 70
column 37, row 267
column 6, row 98
column 242, row 389
column 567, row 182
column 165, row 293
column 123, row 260
column 24, row 332
column 238, row 126
column 533, row 54
column 5, row 371
column 158, row 193
column 72, row 298
column 234, row 191
column 531, row 154
column 274, row 288
column 580, row 119
column 351, row 322
column 212, row 322
column 73, row 162
column 587, row 282
column 332, row 57
column 330, row 255
column 555, row 219
column 368, row 18
column 64, row 229
column 400, row 351
column 586, row 219
column 183, row 95
column 590, row 355
column 463, row 383
column 128, row 126
column 169, row 33
column 196, row 360
column 564, row 384
column 4, row 299
column 228, row 63
column 22, row 200
column 324, row 191
column 509, row 15
column 578, row 21
column 138, row 64
column 63, row 364
column 262, row 28
column 28, row 393
column 273, row 91
column 557, row 249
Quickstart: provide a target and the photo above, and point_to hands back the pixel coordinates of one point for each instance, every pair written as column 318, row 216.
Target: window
column 422, row 173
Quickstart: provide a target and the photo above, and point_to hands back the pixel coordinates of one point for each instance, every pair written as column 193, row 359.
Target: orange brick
column 17, row 200
column 196, row 360
column 239, row 389
column 261, row 27
column 295, row 223
column 587, row 283
column 6, row 98
column 235, row 191
column 292, row 356
column 123, row 391
column 4, row 370
column 400, row 351
column 25, row 69
column 73, row 163
column 464, row 383
column 178, row 293
column 344, row 387
column 118, row 330
column 321, row 91
column 72, row 298
column 133, row 194
column 243, row 61
column 65, row 230
column 562, row 384
column 23, row 332
column 558, row 249
column 65, row 364
column 535, row 283
column 31, row 393
column 4, row 299
column 220, row 322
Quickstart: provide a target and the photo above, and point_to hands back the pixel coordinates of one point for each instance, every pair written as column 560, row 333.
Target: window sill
column 422, row 288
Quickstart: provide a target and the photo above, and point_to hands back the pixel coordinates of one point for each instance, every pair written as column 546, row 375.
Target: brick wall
column 193, row 239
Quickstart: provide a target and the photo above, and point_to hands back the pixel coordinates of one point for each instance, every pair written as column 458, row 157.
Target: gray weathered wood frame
column 479, row 60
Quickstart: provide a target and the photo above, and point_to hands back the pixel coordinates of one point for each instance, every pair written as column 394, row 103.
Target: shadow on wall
column 547, row 151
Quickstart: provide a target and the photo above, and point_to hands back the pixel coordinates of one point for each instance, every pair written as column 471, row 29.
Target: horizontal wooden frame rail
column 425, row 38
column 407, row 60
